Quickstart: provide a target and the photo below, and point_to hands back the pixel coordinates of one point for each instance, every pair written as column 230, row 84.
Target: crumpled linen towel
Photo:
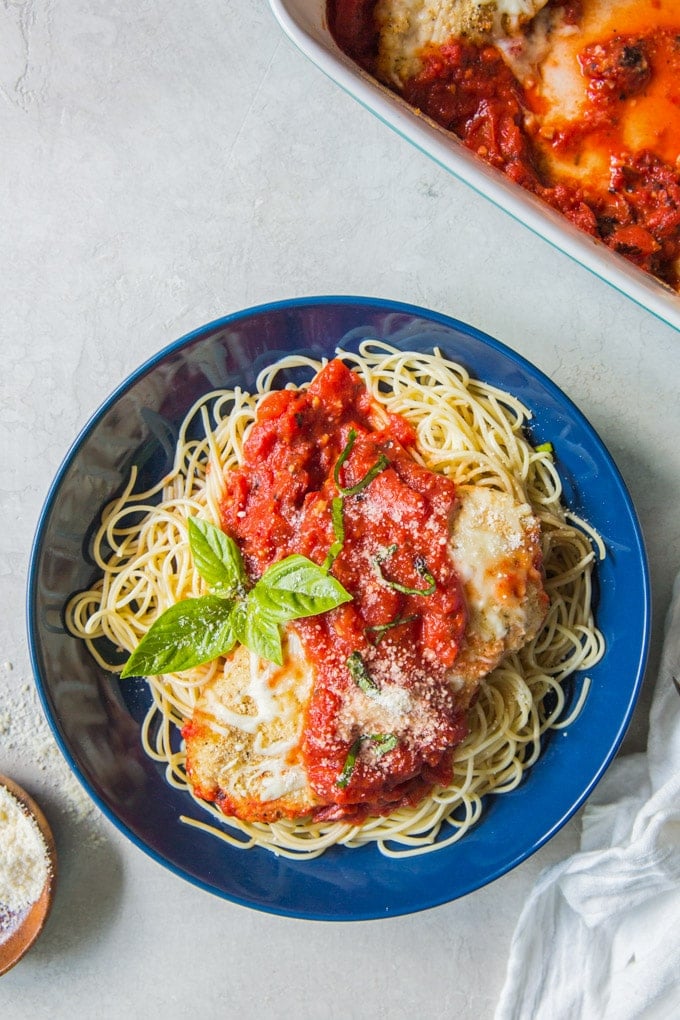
column 599, row 936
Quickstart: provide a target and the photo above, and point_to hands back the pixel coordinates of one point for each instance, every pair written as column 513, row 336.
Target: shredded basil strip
column 362, row 678
column 338, row 531
column 337, row 504
column 350, row 762
column 420, row 566
column 380, row 629
column 380, row 465
column 385, row 742
column 351, row 439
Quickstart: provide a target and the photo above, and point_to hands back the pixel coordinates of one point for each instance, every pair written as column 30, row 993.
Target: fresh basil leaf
column 258, row 631
column 296, row 587
column 238, row 619
column 185, row 635
column 217, row 558
column 198, row 630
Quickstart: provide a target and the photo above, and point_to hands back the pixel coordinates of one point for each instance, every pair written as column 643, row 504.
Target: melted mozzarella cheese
column 495, row 545
column 407, row 27
column 244, row 738
column 558, row 89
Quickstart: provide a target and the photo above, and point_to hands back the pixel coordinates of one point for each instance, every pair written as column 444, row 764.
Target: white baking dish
column 304, row 21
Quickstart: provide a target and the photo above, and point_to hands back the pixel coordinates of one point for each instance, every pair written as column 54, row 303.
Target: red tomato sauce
column 396, row 530
column 470, row 90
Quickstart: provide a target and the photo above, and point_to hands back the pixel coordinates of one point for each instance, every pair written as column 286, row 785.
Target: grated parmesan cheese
column 24, row 861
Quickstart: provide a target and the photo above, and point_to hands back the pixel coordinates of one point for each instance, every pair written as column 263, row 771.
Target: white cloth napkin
column 599, row 936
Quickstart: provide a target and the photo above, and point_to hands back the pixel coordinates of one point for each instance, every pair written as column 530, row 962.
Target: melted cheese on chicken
column 547, row 63
column 243, row 743
column 406, row 27
column 496, row 547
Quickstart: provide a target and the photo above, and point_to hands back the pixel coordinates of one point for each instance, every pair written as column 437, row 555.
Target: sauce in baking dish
column 579, row 104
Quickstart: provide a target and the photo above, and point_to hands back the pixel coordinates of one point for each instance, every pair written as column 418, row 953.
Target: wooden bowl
column 20, row 940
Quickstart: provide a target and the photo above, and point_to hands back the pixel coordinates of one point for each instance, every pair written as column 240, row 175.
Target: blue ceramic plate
column 96, row 720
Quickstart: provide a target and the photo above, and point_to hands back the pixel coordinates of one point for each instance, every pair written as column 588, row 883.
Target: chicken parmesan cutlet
column 371, row 701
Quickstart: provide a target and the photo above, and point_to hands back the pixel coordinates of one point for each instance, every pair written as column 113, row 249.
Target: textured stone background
column 164, row 164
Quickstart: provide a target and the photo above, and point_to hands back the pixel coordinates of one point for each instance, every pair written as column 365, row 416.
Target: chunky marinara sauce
column 593, row 129
column 383, row 720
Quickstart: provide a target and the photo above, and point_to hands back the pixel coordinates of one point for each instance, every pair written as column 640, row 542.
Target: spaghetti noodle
column 467, row 431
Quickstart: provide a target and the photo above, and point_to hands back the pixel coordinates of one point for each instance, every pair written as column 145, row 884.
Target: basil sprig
column 384, row 742
column 198, row 630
